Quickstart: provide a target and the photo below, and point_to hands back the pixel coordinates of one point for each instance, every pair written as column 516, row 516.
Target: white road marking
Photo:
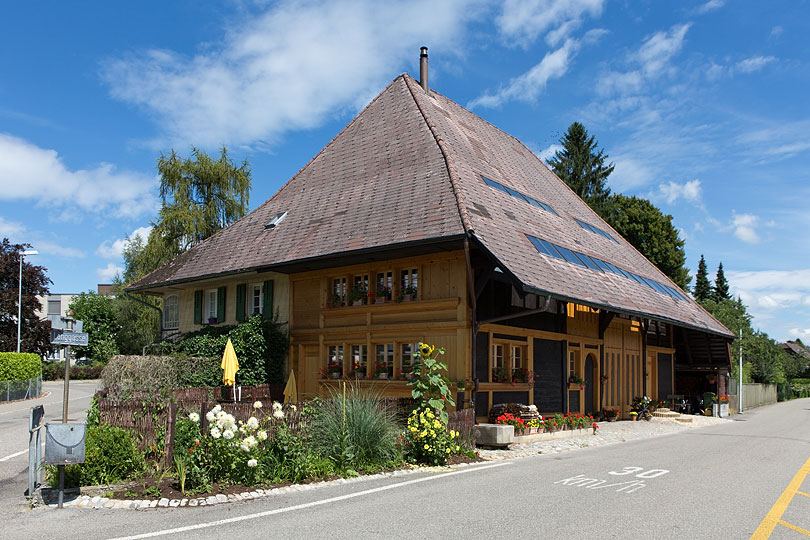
column 13, row 455
column 306, row 505
column 49, row 403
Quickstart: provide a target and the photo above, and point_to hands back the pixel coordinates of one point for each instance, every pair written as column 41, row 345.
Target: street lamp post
column 19, row 299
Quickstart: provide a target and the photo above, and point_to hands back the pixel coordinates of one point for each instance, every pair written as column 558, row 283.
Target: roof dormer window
column 275, row 221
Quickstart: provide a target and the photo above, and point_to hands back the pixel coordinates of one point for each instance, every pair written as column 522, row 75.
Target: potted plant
column 604, row 379
column 357, row 371
column 381, row 371
column 633, row 416
column 521, row 375
column 610, row 414
column 533, row 425
column 461, row 384
column 575, row 382
column 501, row 374
column 356, row 295
column 212, row 320
column 407, row 293
column 510, row 419
column 382, row 294
column 335, row 301
column 711, row 377
column 334, row 369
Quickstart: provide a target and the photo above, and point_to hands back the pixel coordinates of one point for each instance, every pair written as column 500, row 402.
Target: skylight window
column 273, row 223
column 518, row 195
column 598, row 265
column 596, row 230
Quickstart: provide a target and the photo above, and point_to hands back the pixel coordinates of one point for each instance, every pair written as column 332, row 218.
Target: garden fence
column 25, row 389
column 754, row 395
column 153, row 422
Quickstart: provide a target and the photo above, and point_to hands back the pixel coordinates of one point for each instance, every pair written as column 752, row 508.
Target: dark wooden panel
column 549, row 364
column 482, row 404
column 510, row 397
column 482, row 356
column 664, row 375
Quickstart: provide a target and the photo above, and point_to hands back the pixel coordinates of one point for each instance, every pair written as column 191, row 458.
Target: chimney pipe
column 423, row 69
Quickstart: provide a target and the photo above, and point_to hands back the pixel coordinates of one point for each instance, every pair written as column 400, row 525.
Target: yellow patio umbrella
column 291, row 390
column 230, row 365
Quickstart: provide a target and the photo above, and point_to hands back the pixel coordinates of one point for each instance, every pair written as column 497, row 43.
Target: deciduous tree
column 34, row 333
column 97, row 313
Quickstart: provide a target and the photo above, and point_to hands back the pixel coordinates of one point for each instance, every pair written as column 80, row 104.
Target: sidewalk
column 608, row 433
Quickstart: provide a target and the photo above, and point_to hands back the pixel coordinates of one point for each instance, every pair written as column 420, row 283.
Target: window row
column 518, row 195
column 209, row 305
column 390, row 361
column 598, row 265
column 509, row 363
column 597, row 230
column 374, row 288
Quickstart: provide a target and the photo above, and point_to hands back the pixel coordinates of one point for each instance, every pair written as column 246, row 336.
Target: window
column 499, row 373
column 359, row 358
column 409, row 283
column 384, row 361
column 273, row 223
column 384, row 283
column 407, row 360
column 339, row 291
column 211, row 304
column 256, row 299
column 334, row 362
column 171, row 312
column 598, row 265
column 596, row 230
column 572, row 363
column 509, row 363
column 54, row 307
column 518, row 195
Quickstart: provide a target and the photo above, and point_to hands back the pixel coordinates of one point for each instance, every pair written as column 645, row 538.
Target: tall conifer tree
column 703, row 288
column 720, row 292
column 580, row 165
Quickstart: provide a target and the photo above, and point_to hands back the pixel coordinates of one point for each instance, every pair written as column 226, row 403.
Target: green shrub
column 260, row 345
column 110, row 457
column 19, row 366
column 355, row 431
column 56, row 372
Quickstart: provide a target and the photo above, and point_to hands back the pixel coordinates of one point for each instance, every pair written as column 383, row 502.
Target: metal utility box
column 64, row 443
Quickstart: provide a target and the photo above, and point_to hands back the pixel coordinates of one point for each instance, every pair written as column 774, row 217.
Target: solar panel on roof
column 602, row 264
column 517, row 194
column 569, row 256
column 588, row 261
column 593, row 229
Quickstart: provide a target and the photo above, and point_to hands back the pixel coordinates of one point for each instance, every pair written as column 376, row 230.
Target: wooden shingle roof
column 410, row 169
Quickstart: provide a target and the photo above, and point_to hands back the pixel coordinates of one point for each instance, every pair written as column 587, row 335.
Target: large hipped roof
column 414, row 168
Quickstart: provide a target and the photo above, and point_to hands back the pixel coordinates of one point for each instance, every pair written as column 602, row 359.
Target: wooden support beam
column 605, row 318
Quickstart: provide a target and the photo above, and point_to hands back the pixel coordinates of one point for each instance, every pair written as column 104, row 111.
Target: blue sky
column 703, row 106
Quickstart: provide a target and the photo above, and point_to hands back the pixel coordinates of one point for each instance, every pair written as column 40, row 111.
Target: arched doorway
column 591, row 380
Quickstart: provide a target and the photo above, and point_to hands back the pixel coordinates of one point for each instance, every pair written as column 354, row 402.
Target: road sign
column 70, row 338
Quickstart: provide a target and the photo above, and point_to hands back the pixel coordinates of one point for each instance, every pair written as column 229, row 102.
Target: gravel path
column 609, row 433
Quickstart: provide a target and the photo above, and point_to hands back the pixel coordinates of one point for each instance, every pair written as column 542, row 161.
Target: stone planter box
column 720, row 410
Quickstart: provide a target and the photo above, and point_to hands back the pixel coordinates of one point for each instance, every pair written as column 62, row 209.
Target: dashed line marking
column 774, row 516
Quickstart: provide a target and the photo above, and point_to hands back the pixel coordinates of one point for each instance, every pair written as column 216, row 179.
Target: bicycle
column 644, row 413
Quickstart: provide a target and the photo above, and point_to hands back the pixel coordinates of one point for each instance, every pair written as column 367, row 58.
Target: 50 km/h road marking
column 628, row 486
column 774, row 517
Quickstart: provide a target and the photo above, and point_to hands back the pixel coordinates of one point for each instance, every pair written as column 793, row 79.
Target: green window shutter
column 221, row 305
column 268, row 299
column 241, row 294
column 198, row 307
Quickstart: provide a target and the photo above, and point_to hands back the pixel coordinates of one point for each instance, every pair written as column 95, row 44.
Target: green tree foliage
column 703, row 288
column 651, row 232
column 100, row 323
column 720, row 290
column 764, row 361
column 34, row 333
column 580, row 165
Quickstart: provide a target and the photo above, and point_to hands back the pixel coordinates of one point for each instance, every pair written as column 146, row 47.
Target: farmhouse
column 420, row 221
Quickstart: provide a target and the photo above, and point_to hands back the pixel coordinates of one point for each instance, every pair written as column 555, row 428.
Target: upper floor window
column 54, row 307
column 171, row 312
column 211, row 304
column 256, row 299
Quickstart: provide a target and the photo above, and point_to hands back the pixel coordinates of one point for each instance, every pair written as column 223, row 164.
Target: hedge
column 19, row 366
column 56, row 371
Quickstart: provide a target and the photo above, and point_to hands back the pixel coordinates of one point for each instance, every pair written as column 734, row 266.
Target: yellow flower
column 452, row 433
column 413, row 428
column 448, row 450
column 425, row 349
column 427, row 447
column 457, row 448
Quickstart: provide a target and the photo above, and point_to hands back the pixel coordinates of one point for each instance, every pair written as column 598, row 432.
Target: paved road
column 14, row 436
column 713, row 482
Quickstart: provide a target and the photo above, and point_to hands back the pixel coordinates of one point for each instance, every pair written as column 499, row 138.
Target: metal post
column 740, row 383
column 67, row 387
column 19, row 303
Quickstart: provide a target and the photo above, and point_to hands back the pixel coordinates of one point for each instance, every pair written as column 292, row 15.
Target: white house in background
column 55, row 306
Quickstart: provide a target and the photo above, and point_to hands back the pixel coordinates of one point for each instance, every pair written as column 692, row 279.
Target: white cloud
column 630, row 173
column 778, row 140
column 28, row 172
column 772, row 289
column 802, row 333
column 548, row 153
column 711, row 5
column 115, row 249
column 744, row 226
column 690, row 191
column 529, row 85
column 47, row 247
column 776, row 31
column 106, row 274
column 290, row 67
column 522, row 21
column 755, row 63
column 11, row 229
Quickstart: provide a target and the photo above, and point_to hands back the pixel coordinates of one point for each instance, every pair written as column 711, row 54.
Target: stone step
column 666, row 413
column 684, row 419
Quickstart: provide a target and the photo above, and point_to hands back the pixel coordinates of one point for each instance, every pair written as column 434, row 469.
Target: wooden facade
column 372, row 343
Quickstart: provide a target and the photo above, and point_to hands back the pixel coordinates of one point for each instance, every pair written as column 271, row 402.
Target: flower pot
column 357, row 302
column 379, row 300
column 575, row 386
column 533, row 430
column 611, row 419
column 633, row 417
column 406, row 298
column 335, row 375
column 382, row 376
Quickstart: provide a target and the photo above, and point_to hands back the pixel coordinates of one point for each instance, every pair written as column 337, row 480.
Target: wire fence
column 17, row 390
